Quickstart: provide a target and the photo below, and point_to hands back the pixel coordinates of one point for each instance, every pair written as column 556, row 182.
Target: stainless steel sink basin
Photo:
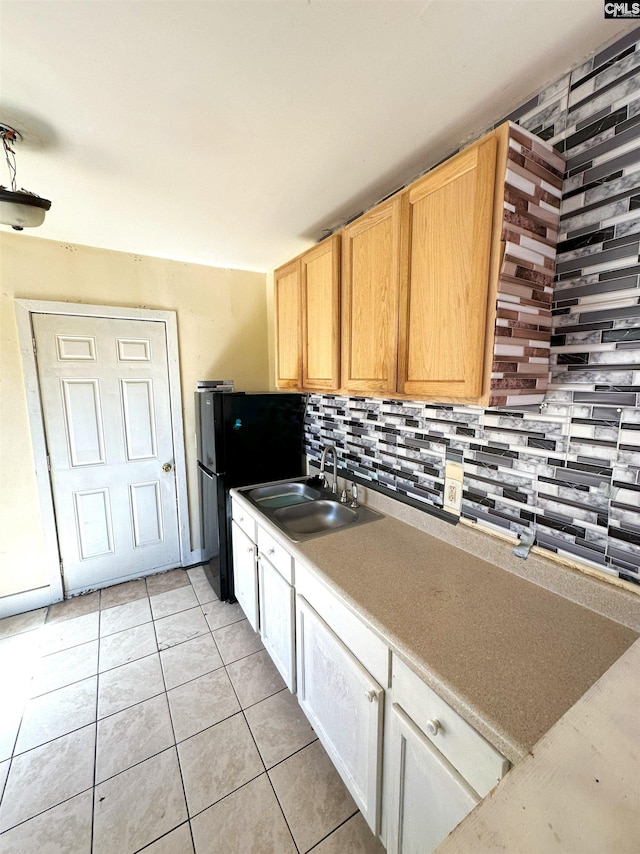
column 303, row 512
column 316, row 516
column 283, row 494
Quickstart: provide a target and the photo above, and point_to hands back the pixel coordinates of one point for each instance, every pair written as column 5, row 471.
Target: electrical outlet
column 452, row 501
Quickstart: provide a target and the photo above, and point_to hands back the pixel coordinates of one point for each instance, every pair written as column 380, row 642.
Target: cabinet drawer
column 243, row 519
column 363, row 643
column 277, row 555
column 469, row 753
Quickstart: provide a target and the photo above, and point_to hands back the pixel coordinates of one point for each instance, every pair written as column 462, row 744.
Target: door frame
column 24, row 310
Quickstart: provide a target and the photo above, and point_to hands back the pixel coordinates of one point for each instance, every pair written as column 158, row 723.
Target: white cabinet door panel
column 476, row 760
column 245, row 574
column 277, row 621
column 428, row 797
column 345, row 707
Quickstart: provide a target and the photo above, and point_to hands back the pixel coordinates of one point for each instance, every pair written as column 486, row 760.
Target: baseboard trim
column 28, row 600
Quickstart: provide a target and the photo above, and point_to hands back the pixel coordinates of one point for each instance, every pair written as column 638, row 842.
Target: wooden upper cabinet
column 446, row 287
column 320, row 278
column 443, row 305
column 307, row 314
column 370, row 294
column 287, row 309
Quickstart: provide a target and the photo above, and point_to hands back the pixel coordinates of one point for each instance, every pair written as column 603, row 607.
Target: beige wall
column 222, row 333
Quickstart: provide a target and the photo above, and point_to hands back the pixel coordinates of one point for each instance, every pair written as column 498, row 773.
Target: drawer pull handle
column 433, row 727
column 271, row 551
column 371, row 695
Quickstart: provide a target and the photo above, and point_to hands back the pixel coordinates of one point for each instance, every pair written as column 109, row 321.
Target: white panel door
column 105, row 398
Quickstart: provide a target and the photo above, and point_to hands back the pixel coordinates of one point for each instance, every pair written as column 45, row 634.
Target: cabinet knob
column 271, row 551
column 250, row 549
column 371, row 695
column 433, row 727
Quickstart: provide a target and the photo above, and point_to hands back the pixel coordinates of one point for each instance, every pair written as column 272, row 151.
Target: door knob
column 166, row 467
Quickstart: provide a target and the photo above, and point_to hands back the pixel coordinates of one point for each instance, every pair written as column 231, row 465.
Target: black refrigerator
column 242, row 439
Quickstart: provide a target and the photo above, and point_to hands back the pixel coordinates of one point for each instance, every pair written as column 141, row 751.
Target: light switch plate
column 452, row 501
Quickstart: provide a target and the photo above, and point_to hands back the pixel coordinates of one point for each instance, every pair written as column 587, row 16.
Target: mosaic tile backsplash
column 531, row 209
column 570, row 469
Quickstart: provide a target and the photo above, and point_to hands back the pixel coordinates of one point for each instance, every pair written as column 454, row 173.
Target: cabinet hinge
column 35, row 348
column 61, row 568
column 48, row 462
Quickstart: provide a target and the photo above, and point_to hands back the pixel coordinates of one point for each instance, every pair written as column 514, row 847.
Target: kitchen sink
column 283, row 494
column 302, row 511
column 315, row 517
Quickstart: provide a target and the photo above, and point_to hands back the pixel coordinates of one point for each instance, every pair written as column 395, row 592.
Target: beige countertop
column 510, row 656
column 579, row 791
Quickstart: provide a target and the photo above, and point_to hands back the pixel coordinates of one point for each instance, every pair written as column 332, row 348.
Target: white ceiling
column 234, row 133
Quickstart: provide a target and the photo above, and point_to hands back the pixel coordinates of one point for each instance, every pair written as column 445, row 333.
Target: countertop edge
column 546, row 803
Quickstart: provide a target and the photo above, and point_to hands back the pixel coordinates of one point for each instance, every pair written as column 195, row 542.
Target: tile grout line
column 266, row 771
column 95, row 740
column 164, row 836
column 175, row 741
column 342, row 824
column 15, row 740
column 48, row 809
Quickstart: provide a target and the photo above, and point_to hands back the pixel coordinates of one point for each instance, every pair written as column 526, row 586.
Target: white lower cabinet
column 437, row 767
column 277, row 620
column 428, row 797
column 344, row 704
column 245, row 573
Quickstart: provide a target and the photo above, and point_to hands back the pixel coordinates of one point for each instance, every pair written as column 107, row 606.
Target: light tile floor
column 148, row 716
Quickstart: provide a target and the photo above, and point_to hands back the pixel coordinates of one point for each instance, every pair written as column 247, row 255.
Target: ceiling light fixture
column 18, row 208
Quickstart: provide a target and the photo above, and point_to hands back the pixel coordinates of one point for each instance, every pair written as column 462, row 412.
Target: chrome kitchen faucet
column 323, row 460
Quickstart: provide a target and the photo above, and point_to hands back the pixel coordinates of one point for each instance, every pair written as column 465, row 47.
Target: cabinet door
column 344, row 705
column 245, row 574
column 287, row 309
column 277, row 621
column 444, row 298
column 427, row 796
column 370, row 293
column 320, row 275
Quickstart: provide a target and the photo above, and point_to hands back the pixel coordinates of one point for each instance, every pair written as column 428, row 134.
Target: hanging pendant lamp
column 18, row 208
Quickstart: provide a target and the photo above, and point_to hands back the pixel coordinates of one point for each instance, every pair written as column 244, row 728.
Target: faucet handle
column 354, row 495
